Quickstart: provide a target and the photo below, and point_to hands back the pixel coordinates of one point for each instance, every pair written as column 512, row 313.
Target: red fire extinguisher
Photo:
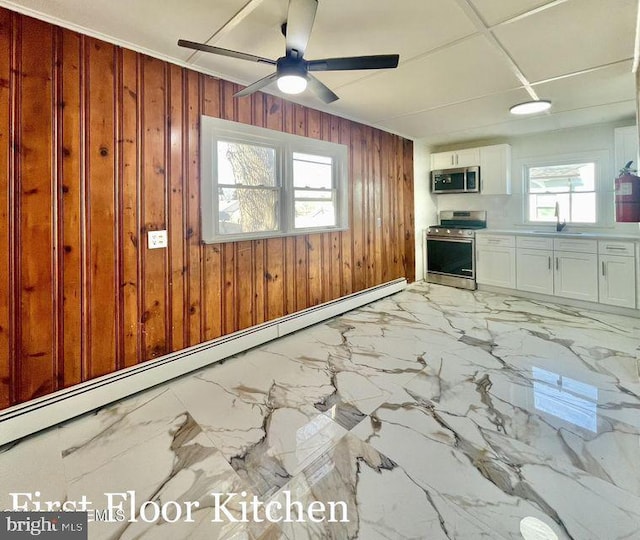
column 627, row 196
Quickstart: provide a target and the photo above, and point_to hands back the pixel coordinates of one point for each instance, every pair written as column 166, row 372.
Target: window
column 258, row 183
column 566, row 190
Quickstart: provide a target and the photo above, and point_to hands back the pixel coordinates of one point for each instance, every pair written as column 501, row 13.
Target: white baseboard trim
column 41, row 413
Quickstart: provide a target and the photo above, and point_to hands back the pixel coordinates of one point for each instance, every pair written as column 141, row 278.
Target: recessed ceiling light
column 533, row 529
column 531, row 107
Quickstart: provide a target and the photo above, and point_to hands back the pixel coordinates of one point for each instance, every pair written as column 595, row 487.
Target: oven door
column 450, row 261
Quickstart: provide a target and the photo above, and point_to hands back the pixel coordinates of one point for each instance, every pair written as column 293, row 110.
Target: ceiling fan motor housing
column 288, row 65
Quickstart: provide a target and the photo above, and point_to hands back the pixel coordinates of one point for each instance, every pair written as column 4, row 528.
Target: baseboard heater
column 38, row 414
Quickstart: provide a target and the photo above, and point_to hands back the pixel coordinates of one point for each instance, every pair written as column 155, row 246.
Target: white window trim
column 600, row 158
column 285, row 144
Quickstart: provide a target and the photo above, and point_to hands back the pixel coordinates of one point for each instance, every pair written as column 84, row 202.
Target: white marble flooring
column 435, row 413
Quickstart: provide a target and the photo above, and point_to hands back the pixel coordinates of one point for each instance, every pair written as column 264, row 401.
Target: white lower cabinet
column 601, row 271
column 576, row 275
column 496, row 261
column 534, row 270
column 617, row 280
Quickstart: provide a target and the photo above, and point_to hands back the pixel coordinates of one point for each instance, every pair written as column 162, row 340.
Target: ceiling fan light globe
column 292, row 84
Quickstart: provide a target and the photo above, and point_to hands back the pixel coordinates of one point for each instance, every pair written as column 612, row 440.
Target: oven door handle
column 449, row 239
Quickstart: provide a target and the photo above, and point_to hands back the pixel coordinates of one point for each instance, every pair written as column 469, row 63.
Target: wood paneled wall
column 98, row 145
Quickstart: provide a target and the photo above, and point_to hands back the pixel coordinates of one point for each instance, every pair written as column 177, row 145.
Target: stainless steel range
column 451, row 248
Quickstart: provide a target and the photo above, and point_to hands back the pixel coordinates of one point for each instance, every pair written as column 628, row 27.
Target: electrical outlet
column 157, row 239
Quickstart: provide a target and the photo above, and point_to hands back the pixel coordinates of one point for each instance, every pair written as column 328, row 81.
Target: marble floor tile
column 151, row 446
column 32, row 465
column 433, row 413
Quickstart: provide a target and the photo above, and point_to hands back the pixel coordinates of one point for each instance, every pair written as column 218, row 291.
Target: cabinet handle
column 603, row 269
column 617, row 248
column 549, row 265
column 557, row 264
column 453, row 157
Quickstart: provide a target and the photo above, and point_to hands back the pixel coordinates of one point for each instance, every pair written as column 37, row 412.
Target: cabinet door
column 617, row 281
column 495, row 169
column 576, row 275
column 469, row 157
column 443, row 160
column 496, row 266
column 534, row 270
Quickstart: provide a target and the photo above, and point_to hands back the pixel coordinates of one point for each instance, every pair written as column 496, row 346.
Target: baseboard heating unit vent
column 38, row 414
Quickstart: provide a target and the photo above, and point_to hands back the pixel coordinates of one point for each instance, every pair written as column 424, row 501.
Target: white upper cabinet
column 495, row 169
column 494, row 162
column 468, row 157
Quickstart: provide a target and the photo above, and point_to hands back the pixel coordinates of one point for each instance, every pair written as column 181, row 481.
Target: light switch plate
column 157, row 239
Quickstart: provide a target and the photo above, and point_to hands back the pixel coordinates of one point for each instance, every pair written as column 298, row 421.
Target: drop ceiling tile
column 354, row 28
column 465, row 70
column 496, row 11
column 618, row 112
column 609, row 85
column 569, row 37
column 363, row 27
column 447, row 124
column 155, row 25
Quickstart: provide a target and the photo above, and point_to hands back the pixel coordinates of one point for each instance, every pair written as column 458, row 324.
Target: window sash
column 569, row 192
column 288, row 149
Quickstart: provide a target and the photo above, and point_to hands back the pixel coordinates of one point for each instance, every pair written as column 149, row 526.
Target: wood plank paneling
column 175, row 222
column 100, row 201
column 275, row 279
column 107, row 147
column 37, row 203
column 192, row 203
column 69, row 178
column 6, row 195
column 132, row 241
column 154, row 114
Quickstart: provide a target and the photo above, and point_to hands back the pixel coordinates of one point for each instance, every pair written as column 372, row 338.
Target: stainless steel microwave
column 464, row 180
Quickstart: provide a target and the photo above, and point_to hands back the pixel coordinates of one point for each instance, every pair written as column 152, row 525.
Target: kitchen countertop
column 562, row 234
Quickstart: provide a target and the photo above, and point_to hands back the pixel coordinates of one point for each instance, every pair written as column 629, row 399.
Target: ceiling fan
column 292, row 70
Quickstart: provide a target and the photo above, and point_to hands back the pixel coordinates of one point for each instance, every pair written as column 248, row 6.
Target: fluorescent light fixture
column 292, row 84
column 531, row 107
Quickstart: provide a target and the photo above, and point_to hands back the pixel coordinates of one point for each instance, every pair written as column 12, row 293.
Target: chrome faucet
column 559, row 226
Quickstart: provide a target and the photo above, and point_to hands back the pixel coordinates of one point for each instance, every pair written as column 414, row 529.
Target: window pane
column 247, row 210
column 312, row 194
column 246, row 164
column 587, row 180
column 562, row 178
column 314, row 214
column 543, row 207
column 312, row 171
column 583, row 208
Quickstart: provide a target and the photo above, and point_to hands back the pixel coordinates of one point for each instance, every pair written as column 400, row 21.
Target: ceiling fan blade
column 300, row 19
column 378, row 61
column 224, row 52
column 320, row 89
column 256, row 85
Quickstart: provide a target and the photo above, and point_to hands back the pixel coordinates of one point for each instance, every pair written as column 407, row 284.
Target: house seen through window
column 571, row 188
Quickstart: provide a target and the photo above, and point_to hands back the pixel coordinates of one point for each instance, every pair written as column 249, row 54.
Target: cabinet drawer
column 612, row 247
column 572, row 244
column 533, row 242
column 496, row 240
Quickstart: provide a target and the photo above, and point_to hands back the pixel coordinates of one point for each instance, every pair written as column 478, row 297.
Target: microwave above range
column 463, row 180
